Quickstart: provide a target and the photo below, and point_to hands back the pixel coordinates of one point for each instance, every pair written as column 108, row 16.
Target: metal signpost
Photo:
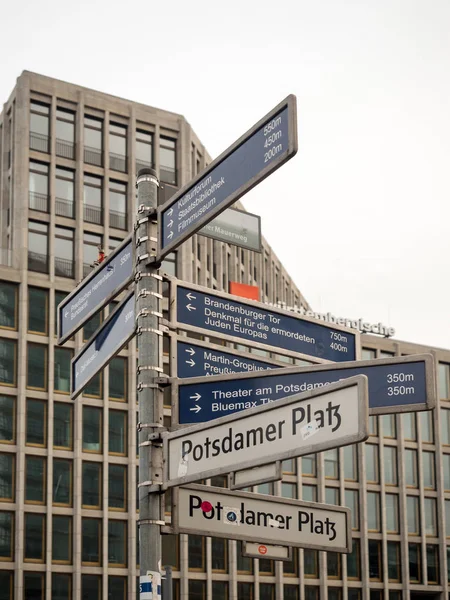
column 235, row 227
column 252, row 158
column 302, row 424
column 107, row 341
column 398, row 384
column 259, row 518
column 257, row 550
column 199, row 309
column 96, row 290
column 191, row 358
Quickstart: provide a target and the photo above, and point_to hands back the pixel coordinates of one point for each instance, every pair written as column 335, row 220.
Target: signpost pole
column 148, row 300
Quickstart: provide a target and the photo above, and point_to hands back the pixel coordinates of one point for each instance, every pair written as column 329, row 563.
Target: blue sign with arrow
column 395, row 385
column 254, row 323
column 106, row 342
column 254, row 156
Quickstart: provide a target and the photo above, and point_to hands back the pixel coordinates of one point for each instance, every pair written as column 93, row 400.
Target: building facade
column 68, row 470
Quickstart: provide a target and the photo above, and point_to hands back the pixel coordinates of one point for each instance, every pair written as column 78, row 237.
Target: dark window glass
column 34, row 537
column 92, row 429
column 432, row 564
column 311, row 563
column 414, row 563
column 61, row 378
column 245, row 591
column 391, row 501
column 7, row 362
column 334, row 565
column 311, row 592
column 6, row 535
column 62, row 482
column 38, row 246
column 375, row 571
column 197, row 590
column 91, row 587
column 6, row 585
column 354, row 561
column 266, row 591
column 8, row 305
column 92, row 485
column 118, row 378
column 35, row 479
column 59, row 297
column 37, row 367
column 7, row 477
column 62, row 425
column 170, row 550
column 94, row 388
column 244, row 563
column 117, row 432
column 62, row 539
column 291, row 592
column 117, row 542
column 196, row 552
column 36, row 423
column 34, row 586
column 220, row 590
column 394, row 566
column 7, row 419
column 61, row 586
column 117, row 494
column 91, row 326
column 37, row 310
column 91, row 541
column 117, row 588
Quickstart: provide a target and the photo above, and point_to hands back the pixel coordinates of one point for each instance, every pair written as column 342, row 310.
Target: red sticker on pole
column 262, row 549
column 206, row 506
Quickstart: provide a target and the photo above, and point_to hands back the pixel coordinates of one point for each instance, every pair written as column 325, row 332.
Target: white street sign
column 258, row 550
column 333, row 416
column 218, row 512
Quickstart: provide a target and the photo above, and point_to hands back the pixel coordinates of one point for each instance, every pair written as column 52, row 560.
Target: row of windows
column 39, row 197
column 62, row 424
column 65, row 139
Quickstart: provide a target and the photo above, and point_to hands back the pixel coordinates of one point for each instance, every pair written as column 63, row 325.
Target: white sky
column 360, row 216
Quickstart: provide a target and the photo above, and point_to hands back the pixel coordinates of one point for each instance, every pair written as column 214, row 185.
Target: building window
column 309, row 493
column 220, row 590
column 61, row 374
column 36, row 423
column 350, row 463
column 432, row 564
column 7, row 477
column 444, row 381
column 197, row 589
column 426, row 426
column 445, row 426
column 92, row 485
column 429, row 507
column 8, row 305
column 412, row 509
column 354, row 561
column 7, row 584
column 62, row 482
column 288, row 490
column 373, row 511
column 37, row 367
column 91, row 552
column 289, row 466
column 117, row 543
column 409, row 426
column 375, row 562
column 168, row 161
column 118, row 368
column 64, row 247
column 65, row 133
column 117, row 588
column 118, row 147
column 61, row 539
column 373, row 425
column 7, row 419
column 35, row 468
column 266, row 591
column 414, row 563
column 59, row 297
column 352, row 502
column 34, row 537
column 331, row 458
column 410, row 462
column 6, row 536
column 391, row 501
column 169, row 264
column 332, row 496
column 38, row 187
column 34, row 586
column 311, row 592
column 94, row 388
column 311, row 563
column 118, row 204
column 91, row 587
column 65, row 193
column 196, row 553
column 93, row 141
column 92, row 429
column 8, row 353
column 92, row 199
column 390, row 465
column 394, row 564
column 61, row 586
column 428, row 470
column 333, row 565
column 244, row 563
column 38, row 310
column 62, row 426
column 118, row 432
column 117, row 489
column 389, row 428
column 144, row 150
column 39, row 126
column 38, row 247
column 372, row 471
column 334, row 593
column 91, row 244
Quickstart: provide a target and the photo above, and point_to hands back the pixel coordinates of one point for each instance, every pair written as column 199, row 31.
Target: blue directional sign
column 106, row 342
column 254, row 323
column 257, row 154
column 96, row 290
column 199, row 361
column 395, row 385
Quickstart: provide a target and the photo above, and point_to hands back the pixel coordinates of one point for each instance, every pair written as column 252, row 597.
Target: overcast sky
column 360, row 217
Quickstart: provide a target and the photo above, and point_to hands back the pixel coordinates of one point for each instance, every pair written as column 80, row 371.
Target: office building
column 68, row 470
